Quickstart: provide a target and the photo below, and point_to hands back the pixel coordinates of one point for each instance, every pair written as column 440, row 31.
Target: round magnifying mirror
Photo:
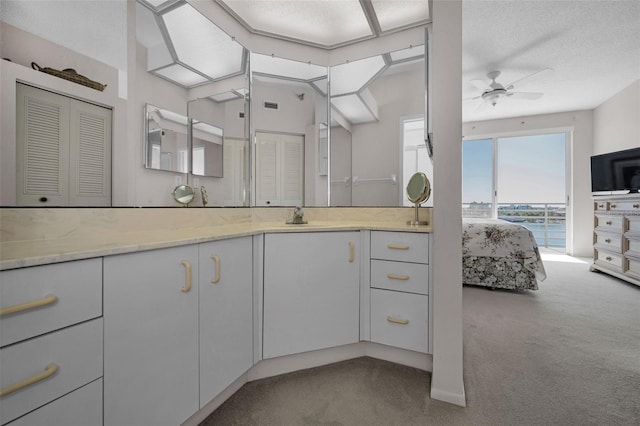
column 418, row 191
column 183, row 194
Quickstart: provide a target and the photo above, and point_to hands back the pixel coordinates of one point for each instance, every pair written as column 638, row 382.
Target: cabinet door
column 226, row 314
column 311, row 291
column 150, row 337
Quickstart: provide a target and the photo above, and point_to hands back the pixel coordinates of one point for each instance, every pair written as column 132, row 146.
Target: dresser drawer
column 610, row 223
column 632, row 247
column 610, row 242
column 70, row 292
column 82, row 407
column 400, row 246
column 400, row 319
column 400, row 276
column 633, row 267
column 73, row 356
column 608, row 259
column 633, row 224
column 600, row 206
column 624, row 205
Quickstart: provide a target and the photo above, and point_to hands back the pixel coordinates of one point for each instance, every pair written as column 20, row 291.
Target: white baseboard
column 450, row 397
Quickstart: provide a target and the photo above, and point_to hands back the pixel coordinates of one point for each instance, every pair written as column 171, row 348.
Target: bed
column 500, row 254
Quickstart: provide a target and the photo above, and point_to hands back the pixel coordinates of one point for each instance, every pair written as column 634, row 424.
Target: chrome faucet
column 297, row 218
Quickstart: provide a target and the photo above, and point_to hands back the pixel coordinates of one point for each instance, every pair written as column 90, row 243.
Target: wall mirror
column 224, row 170
column 166, row 144
column 289, row 118
column 379, row 101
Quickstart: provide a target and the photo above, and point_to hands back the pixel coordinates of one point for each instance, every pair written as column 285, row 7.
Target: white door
column 311, row 291
column 150, row 337
column 279, row 169
column 226, row 313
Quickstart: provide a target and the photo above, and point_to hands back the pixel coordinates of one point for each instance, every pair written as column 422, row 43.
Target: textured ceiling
column 593, row 48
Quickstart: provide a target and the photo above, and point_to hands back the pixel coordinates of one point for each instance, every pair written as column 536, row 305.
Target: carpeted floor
column 568, row 354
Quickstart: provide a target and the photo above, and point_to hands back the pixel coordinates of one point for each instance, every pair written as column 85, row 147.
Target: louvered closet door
column 279, row 169
column 267, row 163
column 42, row 148
column 90, row 155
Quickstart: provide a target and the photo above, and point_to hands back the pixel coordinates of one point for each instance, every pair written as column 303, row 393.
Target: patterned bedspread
column 500, row 254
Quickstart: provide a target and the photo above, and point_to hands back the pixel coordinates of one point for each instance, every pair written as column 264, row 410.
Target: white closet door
column 235, row 168
column 42, row 149
column 90, row 155
column 292, row 170
column 279, row 169
column 267, row 162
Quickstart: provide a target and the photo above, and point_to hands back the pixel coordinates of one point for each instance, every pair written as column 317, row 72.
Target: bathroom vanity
column 146, row 318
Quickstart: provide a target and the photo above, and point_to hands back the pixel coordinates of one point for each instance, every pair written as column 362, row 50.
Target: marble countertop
column 19, row 254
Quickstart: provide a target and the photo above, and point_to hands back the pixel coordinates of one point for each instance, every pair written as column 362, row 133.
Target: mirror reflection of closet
column 289, row 121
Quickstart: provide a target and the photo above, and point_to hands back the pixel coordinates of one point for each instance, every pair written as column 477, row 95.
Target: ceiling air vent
column 270, row 105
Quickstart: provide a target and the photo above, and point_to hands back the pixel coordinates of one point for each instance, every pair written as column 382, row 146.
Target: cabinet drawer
column 609, row 259
column 399, row 319
column 76, row 285
column 82, row 407
column 401, row 246
column 77, row 353
column 400, row 276
column 633, row 224
column 600, row 206
column 632, row 247
column 621, row 205
column 611, row 242
column 633, row 268
column 609, row 223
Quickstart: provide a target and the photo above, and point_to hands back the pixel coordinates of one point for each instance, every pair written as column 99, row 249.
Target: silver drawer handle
column 49, row 370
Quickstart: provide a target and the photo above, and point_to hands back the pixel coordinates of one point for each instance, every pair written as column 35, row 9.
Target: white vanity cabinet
column 311, row 291
column 226, row 313
column 399, row 289
column 151, row 337
column 52, row 343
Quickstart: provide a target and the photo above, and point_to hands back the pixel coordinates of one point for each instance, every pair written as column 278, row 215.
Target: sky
column 531, row 169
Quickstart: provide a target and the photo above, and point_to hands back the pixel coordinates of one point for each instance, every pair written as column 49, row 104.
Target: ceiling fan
column 494, row 92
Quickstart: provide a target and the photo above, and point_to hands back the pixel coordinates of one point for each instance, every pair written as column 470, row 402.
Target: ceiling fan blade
column 484, row 106
column 480, row 84
column 475, row 98
column 529, row 78
column 525, row 95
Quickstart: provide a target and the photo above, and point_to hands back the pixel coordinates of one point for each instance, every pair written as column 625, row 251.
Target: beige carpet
column 568, row 354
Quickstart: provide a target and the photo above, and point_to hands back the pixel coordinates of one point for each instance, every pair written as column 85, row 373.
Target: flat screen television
column 616, row 171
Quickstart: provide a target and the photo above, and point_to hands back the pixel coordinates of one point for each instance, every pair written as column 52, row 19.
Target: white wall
column 446, row 91
column 581, row 146
column 616, row 122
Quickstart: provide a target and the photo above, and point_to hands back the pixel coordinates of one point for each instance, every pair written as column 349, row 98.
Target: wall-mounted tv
column 616, row 171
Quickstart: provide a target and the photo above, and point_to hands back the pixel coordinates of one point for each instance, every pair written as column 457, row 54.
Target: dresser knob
column 613, row 206
column 636, row 206
column 600, row 206
column 607, row 240
column 609, row 222
column 608, row 258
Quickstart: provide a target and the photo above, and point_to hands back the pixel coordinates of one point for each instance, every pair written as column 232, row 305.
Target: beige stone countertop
column 19, row 254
